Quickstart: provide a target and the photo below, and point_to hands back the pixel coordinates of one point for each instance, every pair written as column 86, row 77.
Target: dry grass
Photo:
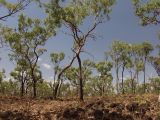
column 136, row 107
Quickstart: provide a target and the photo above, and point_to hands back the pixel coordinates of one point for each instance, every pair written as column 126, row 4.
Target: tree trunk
column 56, row 90
column 122, row 79
column 59, row 89
column 59, row 76
column 117, row 82
column 34, row 88
column 54, row 86
column 132, row 82
column 144, row 71
column 22, row 88
column 137, row 75
column 80, row 79
column 34, row 83
column 103, row 90
column 26, row 90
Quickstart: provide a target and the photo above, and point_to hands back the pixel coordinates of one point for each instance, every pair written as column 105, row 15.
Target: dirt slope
column 127, row 107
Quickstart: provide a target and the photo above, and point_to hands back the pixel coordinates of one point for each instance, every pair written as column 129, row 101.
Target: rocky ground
column 126, row 107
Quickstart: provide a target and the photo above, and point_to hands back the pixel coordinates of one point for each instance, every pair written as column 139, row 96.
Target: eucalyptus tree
column 155, row 61
column 56, row 59
column 148, row 11
column 119, row 54
column 2, row 76
column 43, row 89
column 21, row 74
column 72, row 74
column 73, row 15
column 87, row 70
column 124, row 59
column 136, row 59
column 135, row 64
column 9, row 87
column 104, row 81
column 154, row 84
column 11, row 8
column 146, row 49
column 30, row 83
column 114, row 54
column 27, row 41
column 128, row 85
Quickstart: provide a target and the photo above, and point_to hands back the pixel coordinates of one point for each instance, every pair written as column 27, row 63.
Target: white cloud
column 47, row 66
column 39, row 59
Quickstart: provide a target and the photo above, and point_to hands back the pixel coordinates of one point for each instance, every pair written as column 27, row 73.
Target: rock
column 128, row 117
column 132, row 106
column 98, row 114
column 113, row 105
column 72, row 113
column 147, row 118
column 5, row 115
column 119, row 107
column 115, row 116
column 143, row 108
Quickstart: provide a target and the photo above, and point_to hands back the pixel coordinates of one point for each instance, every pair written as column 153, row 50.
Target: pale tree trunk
column 56, row 90
column 59, row 77
column 122, row 79
column 59, row 89
column 117, row 79
column 144, row 71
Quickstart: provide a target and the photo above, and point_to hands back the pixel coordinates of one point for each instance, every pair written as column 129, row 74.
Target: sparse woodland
column 98, row 85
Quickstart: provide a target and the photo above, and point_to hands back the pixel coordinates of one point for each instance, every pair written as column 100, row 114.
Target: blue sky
column 123, row 25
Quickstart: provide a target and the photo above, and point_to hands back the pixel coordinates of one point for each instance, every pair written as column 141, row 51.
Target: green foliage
column 43, row 90
column 132, row 57
column 56, row 59
column 72, row 75
column 155, row 85
column 148, row 11
column 11, row 8
column 26, row 43
column 29, row 35
column 146, row 48
column 103, row 67
column 100, row 84
column 155, row 61
column 128, row 85
column 25, row 40
column 8, row 5
column 9, row 88
column 76, row 11
column 2, row 75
